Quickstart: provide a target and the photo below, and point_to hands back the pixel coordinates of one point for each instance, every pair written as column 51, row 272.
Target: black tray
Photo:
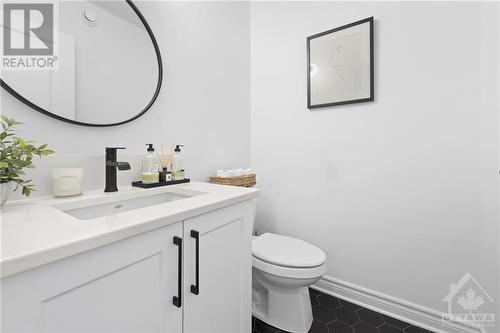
column 170, row 182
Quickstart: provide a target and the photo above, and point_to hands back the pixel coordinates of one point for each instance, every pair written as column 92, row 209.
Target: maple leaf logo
column 470, row 301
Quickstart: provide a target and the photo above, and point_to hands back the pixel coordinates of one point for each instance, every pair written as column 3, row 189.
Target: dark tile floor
column 334, row 315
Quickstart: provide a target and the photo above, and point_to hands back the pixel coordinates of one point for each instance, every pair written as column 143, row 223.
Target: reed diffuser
column 165, row 160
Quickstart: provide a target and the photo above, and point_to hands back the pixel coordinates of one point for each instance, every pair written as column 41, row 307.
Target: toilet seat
column 287, row 257
column 287, row 251
column 289, row 272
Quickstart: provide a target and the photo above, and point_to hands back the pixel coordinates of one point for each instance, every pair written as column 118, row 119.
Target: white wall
column 204, row 102
column 401, row 193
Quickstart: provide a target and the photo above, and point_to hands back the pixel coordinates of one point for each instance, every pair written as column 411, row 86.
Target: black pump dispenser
column 178, row 164
column 150, row 147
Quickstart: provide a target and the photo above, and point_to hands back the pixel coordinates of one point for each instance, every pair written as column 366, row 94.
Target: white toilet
column 283, row 269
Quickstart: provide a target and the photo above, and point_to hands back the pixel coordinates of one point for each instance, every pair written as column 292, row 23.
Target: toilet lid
column 287, row 251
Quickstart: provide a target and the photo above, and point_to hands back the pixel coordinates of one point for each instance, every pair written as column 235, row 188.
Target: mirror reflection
column 107, row 70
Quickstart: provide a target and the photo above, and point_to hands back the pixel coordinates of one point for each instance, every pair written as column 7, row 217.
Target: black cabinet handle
column 177, row 300
column 195, row 288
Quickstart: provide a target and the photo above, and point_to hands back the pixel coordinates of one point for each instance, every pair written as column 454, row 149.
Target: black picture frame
column 34, row 106
column 371, row 98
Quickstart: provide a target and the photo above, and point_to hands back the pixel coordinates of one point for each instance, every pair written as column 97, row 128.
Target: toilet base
column 287, row 308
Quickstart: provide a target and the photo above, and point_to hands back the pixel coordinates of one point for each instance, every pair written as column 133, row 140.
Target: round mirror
column 107, row 67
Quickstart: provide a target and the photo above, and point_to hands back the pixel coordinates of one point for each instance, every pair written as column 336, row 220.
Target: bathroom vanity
column 174, row 259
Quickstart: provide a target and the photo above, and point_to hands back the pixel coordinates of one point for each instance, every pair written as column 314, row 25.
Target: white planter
column 5, row 191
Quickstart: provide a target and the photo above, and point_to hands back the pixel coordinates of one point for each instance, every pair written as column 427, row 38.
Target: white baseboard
column 394, row 307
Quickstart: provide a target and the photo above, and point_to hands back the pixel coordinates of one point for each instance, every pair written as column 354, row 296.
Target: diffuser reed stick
column 165, row 159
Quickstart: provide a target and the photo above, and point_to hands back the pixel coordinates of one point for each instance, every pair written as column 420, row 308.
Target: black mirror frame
column 14, row 93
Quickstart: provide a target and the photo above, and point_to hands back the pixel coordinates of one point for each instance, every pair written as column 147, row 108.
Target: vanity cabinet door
column 126, row 286
column 221, row 300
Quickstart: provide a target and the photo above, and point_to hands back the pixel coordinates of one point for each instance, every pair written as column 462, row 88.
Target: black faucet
column 111, row 166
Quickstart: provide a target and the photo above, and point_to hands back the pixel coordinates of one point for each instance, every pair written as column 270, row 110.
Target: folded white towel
column 234, row 172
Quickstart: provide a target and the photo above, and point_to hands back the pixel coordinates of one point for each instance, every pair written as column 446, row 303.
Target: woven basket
column 243, row 181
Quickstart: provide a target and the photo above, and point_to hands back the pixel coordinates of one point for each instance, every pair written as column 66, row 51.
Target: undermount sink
column 121, row 205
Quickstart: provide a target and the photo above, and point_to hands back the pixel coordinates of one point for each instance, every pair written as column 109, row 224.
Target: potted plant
column 16, row 154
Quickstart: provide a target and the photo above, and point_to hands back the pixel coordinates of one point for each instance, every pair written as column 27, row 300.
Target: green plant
column 17, row 154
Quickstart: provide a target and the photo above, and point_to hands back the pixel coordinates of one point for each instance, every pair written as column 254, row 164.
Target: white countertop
column 34, row 232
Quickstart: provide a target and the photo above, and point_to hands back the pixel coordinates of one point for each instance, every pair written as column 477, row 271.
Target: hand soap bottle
column 178, row 172
column 150, row 174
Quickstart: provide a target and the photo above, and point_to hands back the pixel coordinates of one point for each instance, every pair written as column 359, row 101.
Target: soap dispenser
column 150, row 173
column 178, row 172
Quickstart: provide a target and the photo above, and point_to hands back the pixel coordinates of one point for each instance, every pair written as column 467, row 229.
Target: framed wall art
column 340, row 65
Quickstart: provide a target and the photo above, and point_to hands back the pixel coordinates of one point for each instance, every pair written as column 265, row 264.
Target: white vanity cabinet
column 219, row 300
column 126, row 286
column 122, row 287
column 132, row 285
